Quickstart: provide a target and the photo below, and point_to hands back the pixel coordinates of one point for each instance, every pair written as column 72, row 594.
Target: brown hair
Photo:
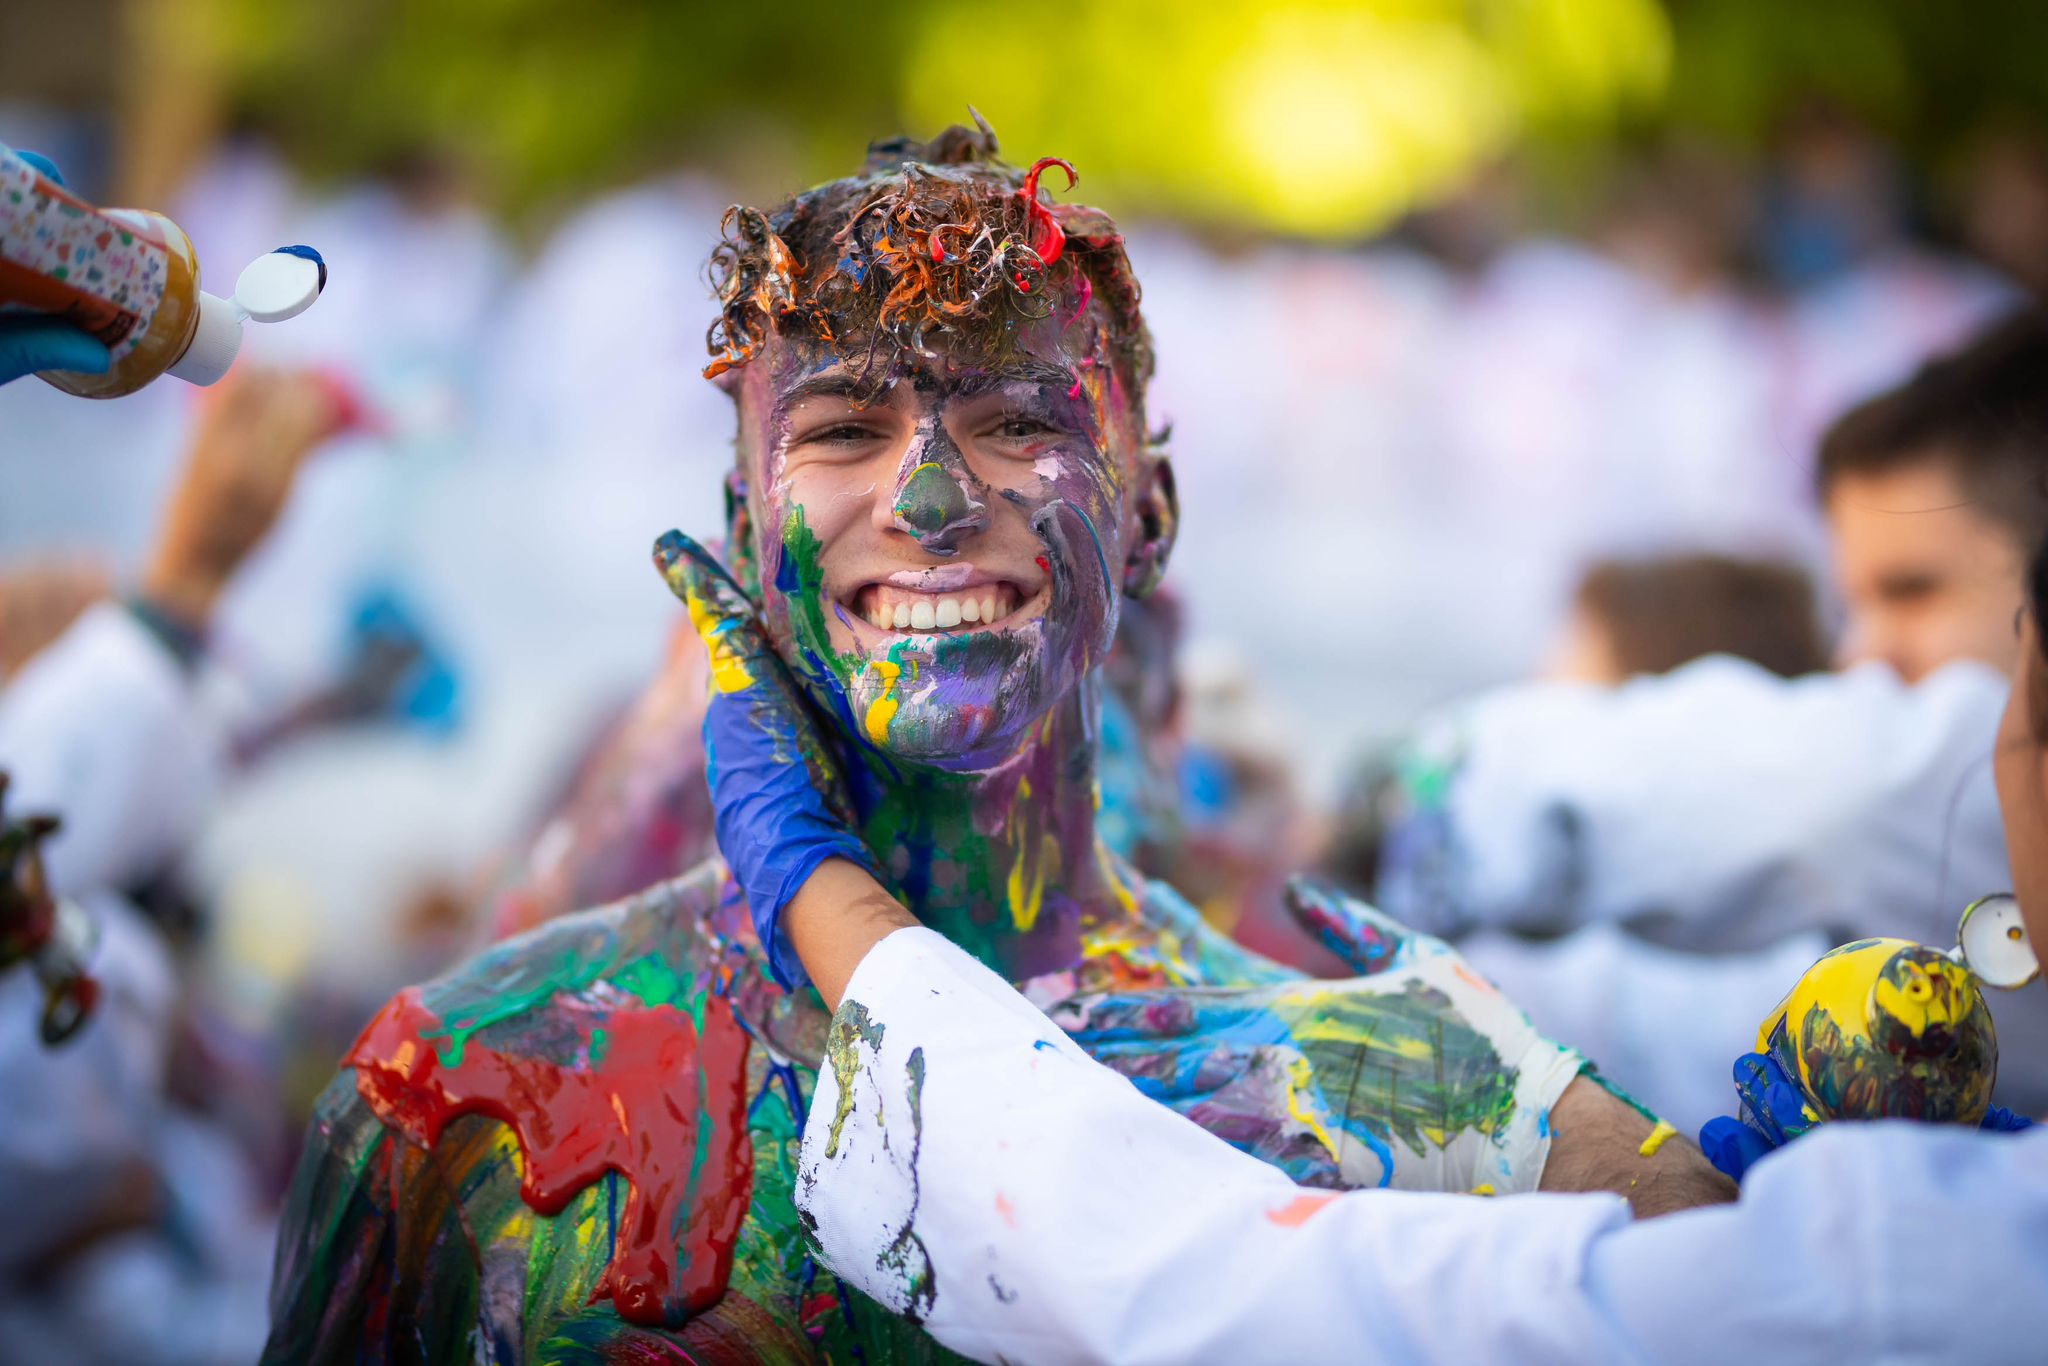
column 1661, row 613
column 1982, row 410
column 931, row 242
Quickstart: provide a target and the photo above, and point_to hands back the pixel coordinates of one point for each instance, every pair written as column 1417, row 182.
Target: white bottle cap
column 214, row 343
column 281, row 284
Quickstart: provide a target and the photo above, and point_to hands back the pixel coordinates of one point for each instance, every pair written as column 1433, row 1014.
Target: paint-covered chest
column 612, row 1166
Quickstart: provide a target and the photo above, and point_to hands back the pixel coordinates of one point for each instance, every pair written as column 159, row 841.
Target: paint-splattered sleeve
column 969, row 1167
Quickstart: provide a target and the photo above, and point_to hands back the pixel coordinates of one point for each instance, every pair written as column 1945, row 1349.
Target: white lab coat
column 106, row 730
column 1715, row 810
column 1029, row 1205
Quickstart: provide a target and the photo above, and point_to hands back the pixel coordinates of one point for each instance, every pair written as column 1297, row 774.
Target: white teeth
column 920, row 612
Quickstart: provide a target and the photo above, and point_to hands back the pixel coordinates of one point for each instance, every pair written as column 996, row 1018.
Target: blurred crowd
column 440, row 695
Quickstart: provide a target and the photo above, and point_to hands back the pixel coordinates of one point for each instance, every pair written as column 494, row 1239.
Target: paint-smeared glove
column 31, row 342
column 777, row 796
column 1772, row 1112
column 1999, row 1120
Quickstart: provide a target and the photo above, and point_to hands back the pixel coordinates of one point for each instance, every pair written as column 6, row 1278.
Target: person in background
column 1651, row 616
column 117, row 1191
column 1934, row 492
column 1711, row 830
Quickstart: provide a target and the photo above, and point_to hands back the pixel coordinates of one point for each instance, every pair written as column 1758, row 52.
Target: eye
column 1020, row 428
column 841, row 433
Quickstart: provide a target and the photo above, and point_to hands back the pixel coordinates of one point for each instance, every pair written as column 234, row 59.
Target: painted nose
column 935, row 505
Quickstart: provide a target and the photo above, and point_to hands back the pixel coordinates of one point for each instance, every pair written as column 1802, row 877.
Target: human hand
column 34, row 341
column 38, row 602
column 255, row 430
column 1772, row 1111
column 778, row 796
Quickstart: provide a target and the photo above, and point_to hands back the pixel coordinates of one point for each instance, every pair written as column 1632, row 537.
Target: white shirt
column 105, row 730
column 1714, row 810
column 964, row 1162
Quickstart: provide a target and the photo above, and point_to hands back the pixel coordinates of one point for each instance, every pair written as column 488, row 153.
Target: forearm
column 1601, row 1143
column 839, row 915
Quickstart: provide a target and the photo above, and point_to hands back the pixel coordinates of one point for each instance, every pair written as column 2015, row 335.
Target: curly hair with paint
column 933, row 246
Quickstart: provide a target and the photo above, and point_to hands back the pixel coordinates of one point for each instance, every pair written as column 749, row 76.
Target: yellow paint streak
column 1917, row 1006
column 882, row 710
column 1300, row 1077
column 729, row 672
column 1659, row 1136
column 1027, row 882
column 1840, row 983
column 1322, row 1020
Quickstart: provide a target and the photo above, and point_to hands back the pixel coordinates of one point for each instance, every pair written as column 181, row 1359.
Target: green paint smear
column 851, row 1028
column 801, row 550
column 1360, row 1046
column 567, row 974
column 652, row 979
column 906, row 1258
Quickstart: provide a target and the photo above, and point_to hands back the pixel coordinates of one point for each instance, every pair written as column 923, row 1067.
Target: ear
column 1156, row 505
column 740, row 556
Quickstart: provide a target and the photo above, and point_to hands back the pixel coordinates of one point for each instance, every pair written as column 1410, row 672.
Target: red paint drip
column 636, row 1113
column 1048, row 238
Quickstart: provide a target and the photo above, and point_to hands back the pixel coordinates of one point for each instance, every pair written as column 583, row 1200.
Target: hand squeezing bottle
column 1890, row 1029
column 130, row 279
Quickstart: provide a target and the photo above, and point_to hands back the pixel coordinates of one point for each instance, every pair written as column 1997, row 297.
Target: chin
column 962, row 704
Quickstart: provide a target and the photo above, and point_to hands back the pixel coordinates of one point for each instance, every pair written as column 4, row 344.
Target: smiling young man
column 584, row 1144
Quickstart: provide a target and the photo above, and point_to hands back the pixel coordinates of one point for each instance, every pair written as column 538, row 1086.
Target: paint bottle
column 1890, row 1029
column 130, row 279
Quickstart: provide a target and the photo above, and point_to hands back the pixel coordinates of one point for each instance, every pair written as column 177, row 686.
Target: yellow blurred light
column 1326, row 119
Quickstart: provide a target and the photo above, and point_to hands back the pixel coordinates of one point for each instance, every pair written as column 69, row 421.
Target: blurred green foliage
column 1309, row 116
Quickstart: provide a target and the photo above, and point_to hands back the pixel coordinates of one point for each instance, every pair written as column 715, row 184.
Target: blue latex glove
column 1772, row 1113
column 30, row 342
column 778, row 799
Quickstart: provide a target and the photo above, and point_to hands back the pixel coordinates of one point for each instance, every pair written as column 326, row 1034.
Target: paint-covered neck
column 1003, row 860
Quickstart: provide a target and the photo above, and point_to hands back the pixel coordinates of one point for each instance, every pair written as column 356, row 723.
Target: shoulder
column 566, row 1043
column 650, row 946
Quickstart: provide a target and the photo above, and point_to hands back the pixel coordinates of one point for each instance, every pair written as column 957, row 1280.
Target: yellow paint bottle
column 1890, row 1029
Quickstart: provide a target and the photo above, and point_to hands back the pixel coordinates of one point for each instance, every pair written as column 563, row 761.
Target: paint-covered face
column 941, row 548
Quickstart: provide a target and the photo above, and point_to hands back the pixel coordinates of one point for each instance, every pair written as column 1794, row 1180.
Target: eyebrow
column 1040, row 373
column 836, row 384
column 855, row 388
